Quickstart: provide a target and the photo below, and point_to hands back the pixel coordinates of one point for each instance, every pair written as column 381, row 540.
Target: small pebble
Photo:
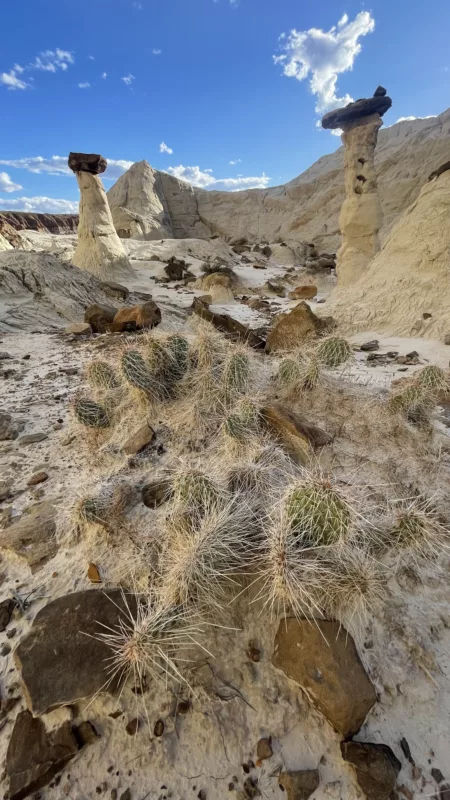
column 132, row 727
column 5, row 650
column 158, row 730
column 38, row 477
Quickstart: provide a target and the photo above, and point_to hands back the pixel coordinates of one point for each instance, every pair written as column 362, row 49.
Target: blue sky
column 235, row 105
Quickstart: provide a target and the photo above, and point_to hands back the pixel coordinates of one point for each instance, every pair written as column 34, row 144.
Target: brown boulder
column 305, row 292
column 100, row 317
column 376, row 768
column 353, row 112
column 87, row 162
column 175, row 268
column 290, row 330
column 321, row 656
column 295, row 431
column 60, row 660
column 78, row 329
column 234, row 328
column 145, row 315
column 33, row 536
column 299, row 784
column 143, row 437
column 35, row 755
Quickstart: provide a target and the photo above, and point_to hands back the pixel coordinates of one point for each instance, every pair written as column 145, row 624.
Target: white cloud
column 237, row 161
column 323, row 55
column 7, row 185
column 11, row 80
column 57, row 165
column 52, row 60
column 128, row 79
column 156, row 51
column 205, row 180
column 138, row 6
column 91, row 58
column 409, row 119
column 50, row 205
column 85, row 85
column 164, row 148
column 104, row 75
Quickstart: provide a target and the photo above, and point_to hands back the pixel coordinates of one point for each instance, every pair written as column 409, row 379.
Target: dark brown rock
column 6, row 609
column 321, row 656
column 380, row 91
column 100, row 317
column 116, row 289
column 158, row 730
column 439, row 171
column 376, row 768
column 291, row 330
column 156, row 493
column 35, row 756
column 354, row 112
column 145, row 315
column 60, row 660
column 232, row 327
column 142, row 438
column 266, row 251
column 32, row 537
column 175, row 269
column 85, row 733
column 299, row 784
column 132, row 727
column 281, row 418
column 370, row 346
column 264, row 749
column 87, row 162
column 38, row 477
column 304, row 292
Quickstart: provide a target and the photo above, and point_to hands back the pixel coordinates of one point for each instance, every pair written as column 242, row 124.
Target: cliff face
column 305, row 209
column 44, row 223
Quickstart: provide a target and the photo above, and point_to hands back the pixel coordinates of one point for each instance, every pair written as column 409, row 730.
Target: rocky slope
column 43, row 223
column 151, row 204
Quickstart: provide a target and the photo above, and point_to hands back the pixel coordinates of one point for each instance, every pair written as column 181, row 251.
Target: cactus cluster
column 413, row 402
column 334, row 351
column 236, row 373
column 410, row 528
column 289, row 373
column 243, row 422
column 94, row 509
column 311, row 373
column 136, row 372
column 91, row 414
column 195, row 491
column 432, row 378
column 179, row 351
column 101, row 375
column 318, row 514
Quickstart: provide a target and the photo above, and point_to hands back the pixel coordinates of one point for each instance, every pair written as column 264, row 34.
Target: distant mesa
column 378, row 104
column 87, row 162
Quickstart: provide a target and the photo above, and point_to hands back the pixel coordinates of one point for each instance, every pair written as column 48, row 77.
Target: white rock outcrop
column 409, row 277
column 99, row 249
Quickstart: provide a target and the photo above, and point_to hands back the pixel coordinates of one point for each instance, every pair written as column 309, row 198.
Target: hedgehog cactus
column 318, row 514
column 102, row 375
column 289, row 372
column 94, row 509
column 136, row 371
column 179, row 351
column 196, row 491
column 236, row 428
column 413, row 402
column 410, row 528
column 334, row 351
column 236, row 373
column 311, row 374
column 432, row 378
column 91, row 414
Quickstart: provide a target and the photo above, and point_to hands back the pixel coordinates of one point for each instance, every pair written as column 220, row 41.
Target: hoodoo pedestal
column 99, row 249
column 361, row 215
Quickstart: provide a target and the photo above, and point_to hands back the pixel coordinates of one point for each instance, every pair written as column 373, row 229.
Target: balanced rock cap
column 87, row 162
column 355, row 111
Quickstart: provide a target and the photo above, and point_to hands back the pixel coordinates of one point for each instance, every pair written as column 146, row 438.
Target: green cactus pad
column 318, row 514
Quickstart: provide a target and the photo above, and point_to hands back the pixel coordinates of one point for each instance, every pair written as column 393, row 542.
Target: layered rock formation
column 361, row 215
column 43, row 223
column 303, row 210
column 99, row 249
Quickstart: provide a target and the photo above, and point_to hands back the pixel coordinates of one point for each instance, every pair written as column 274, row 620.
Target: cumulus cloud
column 91, row 58
column 85, row 85
column 156, row 51
column 237, row 161
column 7, row 185
column 205, row 180
column 49, row 205
column 164, row 148
column 128, row 79
column 323, row 55
column 57, row 165
column 104, row 75
column 11, row 80
column 409, row 119
column 46, row 61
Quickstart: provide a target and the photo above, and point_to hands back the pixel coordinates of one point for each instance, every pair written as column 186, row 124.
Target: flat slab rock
column 230, row 326
column 356, row 111
column 376, row 768
column 33, row 536
column 59, row 660
column 321, row 656
column 87, row 162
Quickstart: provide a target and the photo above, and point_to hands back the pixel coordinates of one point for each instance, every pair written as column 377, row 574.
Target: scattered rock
column 132, row 727
column 447, row 338
column 142, row 438
column 145, row 315
column 437, row 775
column 116, row 289
column 85, row 733
column 126, row 795
column 295, row 431
column 35, row 756
column 100, row 317
column 323, row 659
column 156, row 493
column 305, row 292
column 299, row 784
column 376, row 768
column 6, row 609
column 264, row 749
column 257, row 304
column 444, row 791
column 32, row 537
column 60, row 660
column 233, row 327
column 250, row 789
column 78, row 329
column 33, row 438
column 370, row 346
column 175, row 269
column 4, row 355
column 93, row 574
column 87, row 162
column 8, row 428
column 38, row 477
column 5, row 649
column 158, row 730
column 290, row 330
column 266, row 251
